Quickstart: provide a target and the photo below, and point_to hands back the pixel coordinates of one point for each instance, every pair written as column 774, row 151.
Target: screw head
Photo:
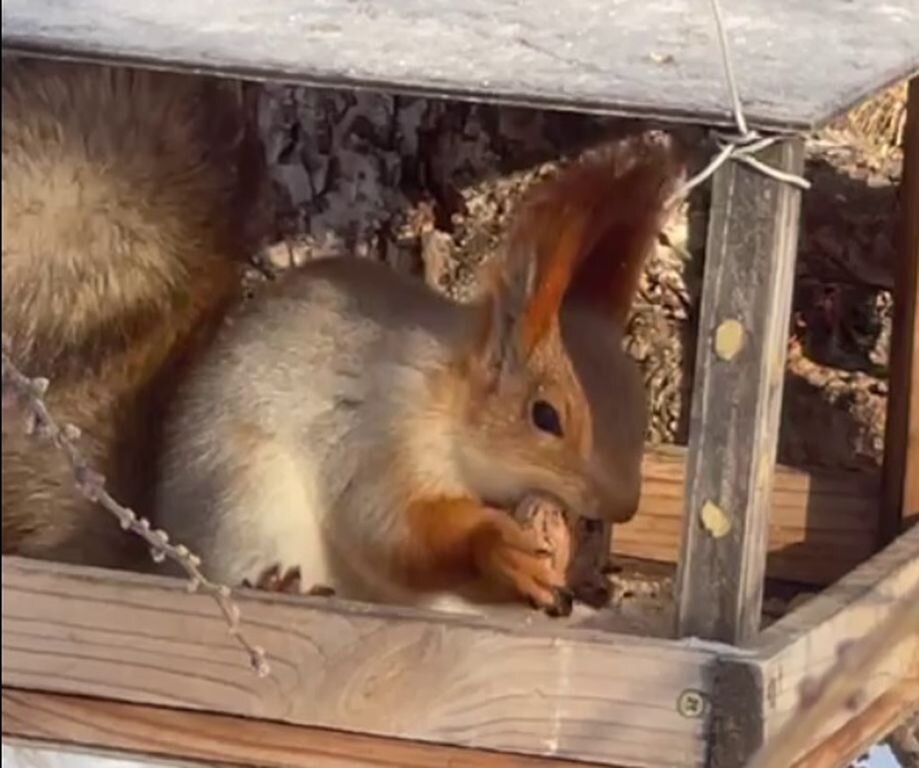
column 691, row 704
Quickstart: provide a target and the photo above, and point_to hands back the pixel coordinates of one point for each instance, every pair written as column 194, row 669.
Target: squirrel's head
column 578, row 243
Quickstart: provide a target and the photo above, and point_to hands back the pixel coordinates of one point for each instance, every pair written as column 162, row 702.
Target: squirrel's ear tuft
column 583, row 236
column 637, row 177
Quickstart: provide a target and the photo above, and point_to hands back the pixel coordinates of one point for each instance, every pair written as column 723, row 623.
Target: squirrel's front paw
column 515, row 556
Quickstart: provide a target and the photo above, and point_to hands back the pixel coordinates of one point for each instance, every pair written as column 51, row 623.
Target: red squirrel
column 122, row 243
column 353, row 424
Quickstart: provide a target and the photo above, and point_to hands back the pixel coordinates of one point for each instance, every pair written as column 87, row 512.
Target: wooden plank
column 754, row 697
column 632, row 57
column 865, row 729
column 822, row 524
column 737, row 726
column 737, row 397
column 900, row 504
column 803, row 645
column 159, row 733
column 538, row 689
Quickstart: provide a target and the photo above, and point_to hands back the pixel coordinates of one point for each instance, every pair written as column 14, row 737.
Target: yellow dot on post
column 715, row 520
column 728, row 339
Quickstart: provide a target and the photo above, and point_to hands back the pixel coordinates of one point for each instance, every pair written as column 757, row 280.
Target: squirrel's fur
column 355, row 424
column 120, row 249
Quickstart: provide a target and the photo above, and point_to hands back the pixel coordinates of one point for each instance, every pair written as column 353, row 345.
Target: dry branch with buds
column 28, row 394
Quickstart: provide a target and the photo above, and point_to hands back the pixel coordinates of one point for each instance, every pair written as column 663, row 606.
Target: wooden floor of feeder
column 109, row 661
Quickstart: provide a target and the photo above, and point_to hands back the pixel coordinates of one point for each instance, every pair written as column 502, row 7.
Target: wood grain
column 540, row 690
column 821, row 525
column 177, row 685
column 900, row 505
column 632, row 57
column 805, row 644
column 737, row 397
column 159, row 733
column 866, row 728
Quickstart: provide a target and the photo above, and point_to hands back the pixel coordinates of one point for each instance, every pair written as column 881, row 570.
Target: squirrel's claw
column 564, row 603
column 561, row 605
column 272, row 580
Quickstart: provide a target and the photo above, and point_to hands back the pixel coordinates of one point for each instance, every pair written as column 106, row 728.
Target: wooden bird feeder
column 135, row 664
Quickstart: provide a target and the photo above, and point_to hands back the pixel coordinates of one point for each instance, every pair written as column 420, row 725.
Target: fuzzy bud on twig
column 28, row 394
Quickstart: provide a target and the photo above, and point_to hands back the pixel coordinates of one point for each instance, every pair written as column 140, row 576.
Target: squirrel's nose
column 615, row 500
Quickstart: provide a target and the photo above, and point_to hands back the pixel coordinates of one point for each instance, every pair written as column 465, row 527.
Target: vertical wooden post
column 900, row 495
column 737, row 395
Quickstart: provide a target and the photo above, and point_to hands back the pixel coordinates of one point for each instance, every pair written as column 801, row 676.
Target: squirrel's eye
column 546, row 418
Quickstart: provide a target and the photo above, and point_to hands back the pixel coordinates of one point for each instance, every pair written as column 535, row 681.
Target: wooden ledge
column 823, row 524
column 875, row 722
column 574, row 694
column 805, row 644
column 540, row 690
column 159, row 733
